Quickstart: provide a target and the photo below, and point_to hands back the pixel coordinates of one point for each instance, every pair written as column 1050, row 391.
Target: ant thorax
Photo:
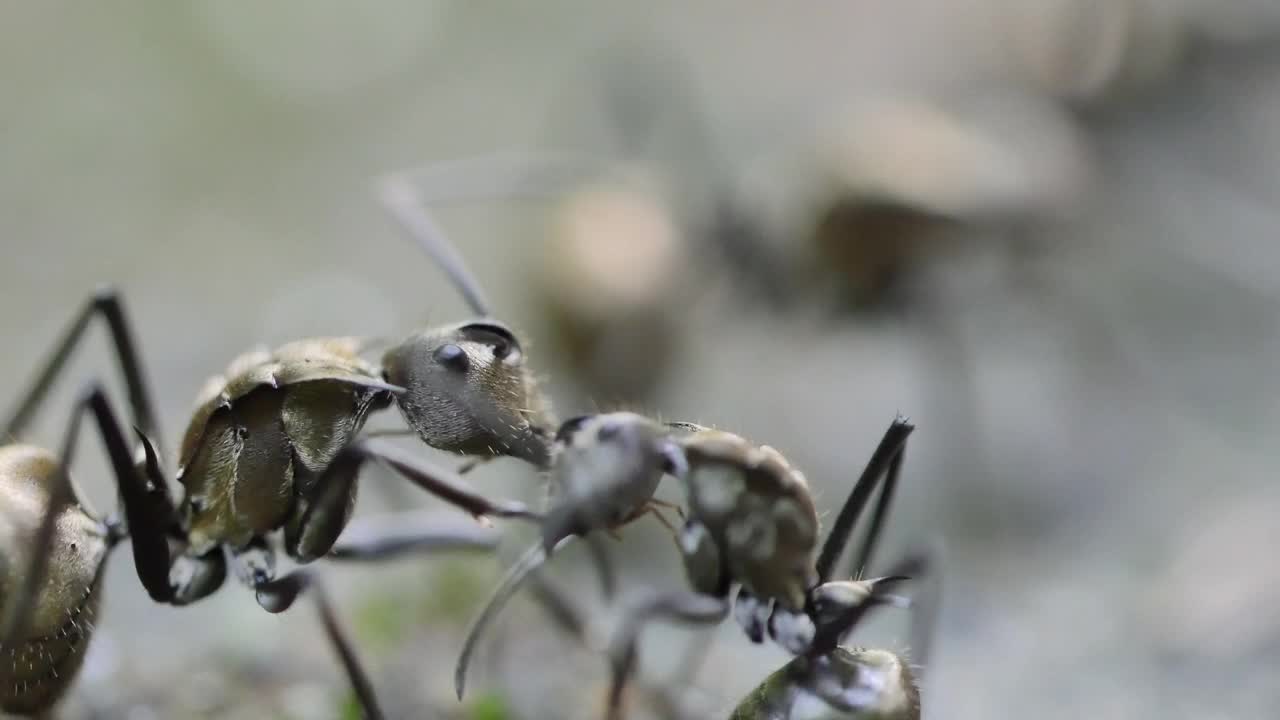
column 265, row 430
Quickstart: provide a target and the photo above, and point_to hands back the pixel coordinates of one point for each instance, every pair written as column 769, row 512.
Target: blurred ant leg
column 925, row 606
column 528, row 562
column 829, row 634
column 110, row 306
column 559, row 608
column 565, row 614
column 443, row 483
column 318, row 518
column 394, row 535
column 886, row 461
column 675, row 507
column 574, row 520
column 321, row 518
column 151, row 517
column 599, row 554
column 683, row 606
column 651, row 509
column 281, row 592
column 150, row 548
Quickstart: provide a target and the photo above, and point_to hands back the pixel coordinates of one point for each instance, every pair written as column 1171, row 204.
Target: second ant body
column 751, row 524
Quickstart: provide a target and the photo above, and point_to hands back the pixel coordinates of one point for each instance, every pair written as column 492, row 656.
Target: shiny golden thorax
column 264, row 430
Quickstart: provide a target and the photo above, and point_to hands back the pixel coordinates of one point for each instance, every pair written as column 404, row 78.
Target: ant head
column 606, row 468
column 468, row 390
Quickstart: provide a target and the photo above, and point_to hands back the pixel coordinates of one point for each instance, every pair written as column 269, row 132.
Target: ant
column 273, row 445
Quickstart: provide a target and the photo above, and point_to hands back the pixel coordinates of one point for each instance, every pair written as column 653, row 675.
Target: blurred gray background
column 1086, row 360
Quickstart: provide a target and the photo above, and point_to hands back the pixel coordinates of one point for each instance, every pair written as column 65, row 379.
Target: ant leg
column 560, row 608
column 147, row 510
column 886, row 461
column 438, row 481
column 321, row 518
column 526, row 565
column 528, row 562
column 925, row 606
column 686, row 607
column 674, row 507
column 566, row 615
column 281, row 592
column 652, row 509
column 573, row 519
column 599, row 553
column 110, row 306
column 383, row 537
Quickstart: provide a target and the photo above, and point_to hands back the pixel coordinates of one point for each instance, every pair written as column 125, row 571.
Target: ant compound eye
column 674, row 462
column 501, row 349
column 569, row 427
column 504, row 343
column 608, row 431
column 453, row 357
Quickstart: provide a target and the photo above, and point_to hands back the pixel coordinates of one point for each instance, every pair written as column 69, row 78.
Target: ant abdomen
column 48, row 655
column 757, row 510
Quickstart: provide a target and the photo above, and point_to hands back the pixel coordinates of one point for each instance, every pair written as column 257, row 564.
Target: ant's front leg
column 281, row 592
column 146, row 507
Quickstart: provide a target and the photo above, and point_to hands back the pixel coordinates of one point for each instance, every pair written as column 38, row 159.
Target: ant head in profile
column 606, row 470
column 468, row 390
